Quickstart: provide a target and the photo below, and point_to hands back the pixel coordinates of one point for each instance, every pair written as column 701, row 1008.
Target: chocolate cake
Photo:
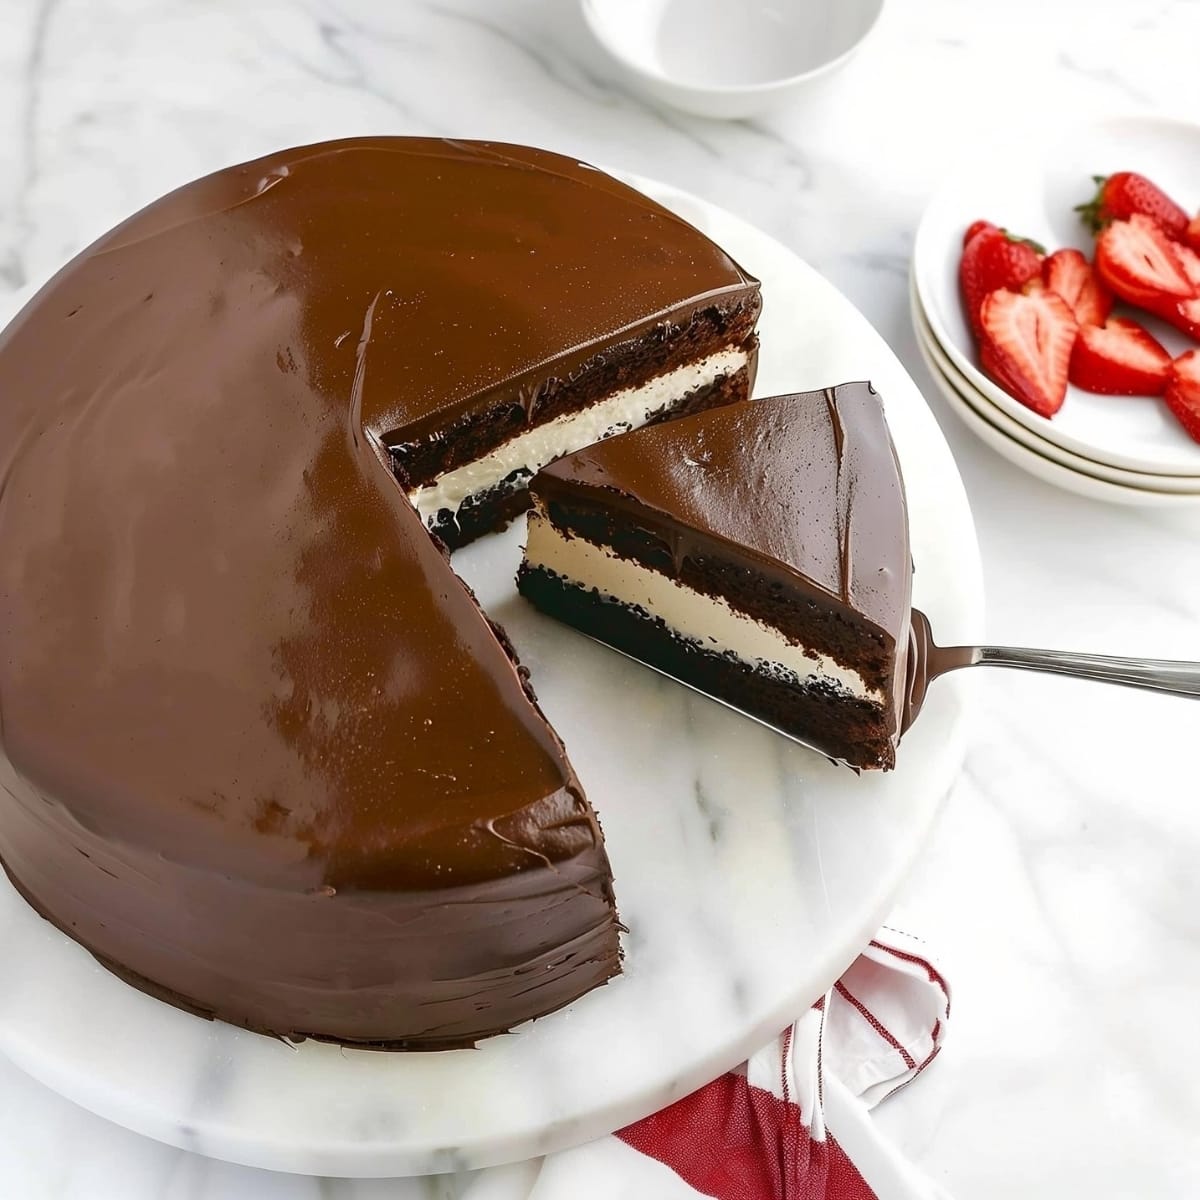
column 758, row 551
column 261, row 752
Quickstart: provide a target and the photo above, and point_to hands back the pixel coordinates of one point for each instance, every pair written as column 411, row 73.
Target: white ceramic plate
column 748, row 870
column 937, row 361
column 978, row 417
column 1031, row 187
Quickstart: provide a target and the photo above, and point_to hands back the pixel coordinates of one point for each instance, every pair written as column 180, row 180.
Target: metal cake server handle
column 927, row 661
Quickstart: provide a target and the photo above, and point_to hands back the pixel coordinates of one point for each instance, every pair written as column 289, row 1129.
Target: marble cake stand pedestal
column 749, row 871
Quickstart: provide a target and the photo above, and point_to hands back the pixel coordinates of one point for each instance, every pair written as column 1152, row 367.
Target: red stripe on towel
column 732, row 1141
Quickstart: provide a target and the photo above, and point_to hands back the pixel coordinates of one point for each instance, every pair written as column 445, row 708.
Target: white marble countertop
column 1061, row 887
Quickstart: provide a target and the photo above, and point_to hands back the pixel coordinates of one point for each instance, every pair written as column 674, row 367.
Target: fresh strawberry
column 1119, row 197
column 1119, row 359
column 995, row 258
column 1184, row 315
column 1026, row 345
column 1069, row 273
column 1137, row 260
column 1191, row 235
column 1183, row 392
column 997, row 367
column 974, row 228
column 1189, row 260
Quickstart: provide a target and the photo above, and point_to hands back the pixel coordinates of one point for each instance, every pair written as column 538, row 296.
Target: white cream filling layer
column 708, row 620
column 532, row 450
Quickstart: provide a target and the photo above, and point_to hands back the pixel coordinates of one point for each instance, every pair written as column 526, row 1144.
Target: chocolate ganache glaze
column 262, row 753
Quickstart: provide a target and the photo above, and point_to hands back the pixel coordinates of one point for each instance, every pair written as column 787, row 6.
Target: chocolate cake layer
column 261, row 750
column 650, row 353
column 798, row 613
column 826, row 717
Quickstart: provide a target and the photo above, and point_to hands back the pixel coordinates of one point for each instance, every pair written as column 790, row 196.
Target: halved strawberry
column 1026, row 345
column 1119, row 359
column 1183, row 392
column 1189, row 260
column 1137, row 260
column 1191, row 235
column 1119, row 197
column 1184, row 314
column 995, row 258
column 1069, row 273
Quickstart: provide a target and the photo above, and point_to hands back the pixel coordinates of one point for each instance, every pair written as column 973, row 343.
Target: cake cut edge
column 670, row 369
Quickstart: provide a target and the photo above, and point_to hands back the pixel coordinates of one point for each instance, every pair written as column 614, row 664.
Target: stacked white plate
column 1124, row 449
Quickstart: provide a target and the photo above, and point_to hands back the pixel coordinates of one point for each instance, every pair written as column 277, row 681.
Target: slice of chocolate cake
column 759, row 552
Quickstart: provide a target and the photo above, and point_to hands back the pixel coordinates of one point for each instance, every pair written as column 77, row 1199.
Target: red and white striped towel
column 790, row 1124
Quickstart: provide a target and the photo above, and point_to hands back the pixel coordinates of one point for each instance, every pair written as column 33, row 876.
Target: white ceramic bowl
column 728, row 58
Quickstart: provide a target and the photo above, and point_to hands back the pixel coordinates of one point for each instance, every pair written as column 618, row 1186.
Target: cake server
column 928, row 661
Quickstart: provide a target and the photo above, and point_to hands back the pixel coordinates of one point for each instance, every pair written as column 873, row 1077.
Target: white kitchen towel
column 790, row 1124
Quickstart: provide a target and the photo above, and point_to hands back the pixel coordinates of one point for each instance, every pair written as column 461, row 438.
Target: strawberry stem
column 1091, row 213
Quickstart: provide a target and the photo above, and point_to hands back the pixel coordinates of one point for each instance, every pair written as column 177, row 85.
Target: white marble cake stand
column 748, row 870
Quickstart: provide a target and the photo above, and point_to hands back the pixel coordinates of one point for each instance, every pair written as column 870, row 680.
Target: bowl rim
column 588, row 8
